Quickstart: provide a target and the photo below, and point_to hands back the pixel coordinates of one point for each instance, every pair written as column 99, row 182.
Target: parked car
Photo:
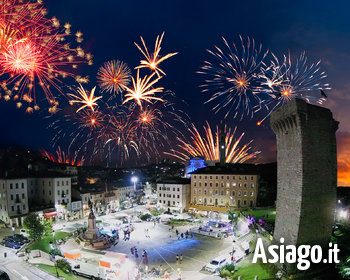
column 4, row 275
column 11, row 244
column 216, row 264
column 13, row 239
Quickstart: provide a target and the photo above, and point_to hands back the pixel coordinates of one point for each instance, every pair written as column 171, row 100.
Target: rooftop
column 237, row 168
column 175, row 180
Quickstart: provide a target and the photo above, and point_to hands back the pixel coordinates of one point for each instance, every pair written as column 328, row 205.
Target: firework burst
column 153, row 60
column 142, row 89
column 232, row 78
column 208, row 146
column 286, row 80
column 34, row 51
column 113, row 76
column 84, row 98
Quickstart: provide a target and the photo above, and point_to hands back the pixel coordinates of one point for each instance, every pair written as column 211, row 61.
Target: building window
column 205, row 184
column 252, row 186
column 12, row 208
column 251, row 178
column 244, row 202
column 58, row 183
column 205, row 192
column 200, row 184
column 173, row 202
column 239, row 185
column 194, row 191
column 23, row 195
column 233, row 193
column 178, row 196
column 160, row 201
column 67, row 183
column 228, row 177
column 222, row 192
column 11, row 196
column 251, row 193
column 194, row 184
column 239, row 193
column 22, row 185
column 227, row 184
column 245, row 185
column 194, row 176
column 178, row 189
column 16, row 185
column 58, row 192
column 210, row 184
column 24, row 207
column 160, row 195
column 216, row 192
column 245, row 193
column 11, row 187
column 239, row 178
column 233, row 184
column 49, row 192
column 210, row 177
column 222, row 185
column 173, row 189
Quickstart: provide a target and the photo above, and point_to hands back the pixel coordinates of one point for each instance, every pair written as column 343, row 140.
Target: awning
column 104, row 264
column 72, row 255
column 50, row 214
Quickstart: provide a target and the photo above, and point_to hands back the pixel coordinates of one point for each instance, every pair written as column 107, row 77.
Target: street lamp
column 134, row 179
column 53, row 255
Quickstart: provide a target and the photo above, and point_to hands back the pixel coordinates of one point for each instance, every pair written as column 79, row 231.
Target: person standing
column 177, row 259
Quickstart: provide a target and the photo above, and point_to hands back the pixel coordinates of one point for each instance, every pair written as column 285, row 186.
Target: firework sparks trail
column 232, row 77
column 208, row 146
column 113, row 76
column 62, row 157
column 142, row 89
column 153, row 60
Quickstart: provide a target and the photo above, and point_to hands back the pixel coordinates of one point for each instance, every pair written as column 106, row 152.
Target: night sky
column 110, row 28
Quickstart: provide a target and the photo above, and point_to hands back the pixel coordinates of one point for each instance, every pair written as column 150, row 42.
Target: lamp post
column 53, row 255
column 134, row 179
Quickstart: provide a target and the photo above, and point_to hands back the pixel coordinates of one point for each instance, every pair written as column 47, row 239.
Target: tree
column 64, row 265
column 233, row 217
column 34, row 226
column 47, row 223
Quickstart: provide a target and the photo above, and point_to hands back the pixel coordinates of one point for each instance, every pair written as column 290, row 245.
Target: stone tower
column 306, row 173
column 222, row 148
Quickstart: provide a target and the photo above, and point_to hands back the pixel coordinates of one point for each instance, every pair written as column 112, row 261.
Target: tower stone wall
column 306, row 173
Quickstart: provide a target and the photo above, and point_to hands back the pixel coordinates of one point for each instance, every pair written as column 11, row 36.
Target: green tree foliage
column 233, row 216
column 47, row 223
column 344, row 268
column 34, row 226
column 64, row 265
